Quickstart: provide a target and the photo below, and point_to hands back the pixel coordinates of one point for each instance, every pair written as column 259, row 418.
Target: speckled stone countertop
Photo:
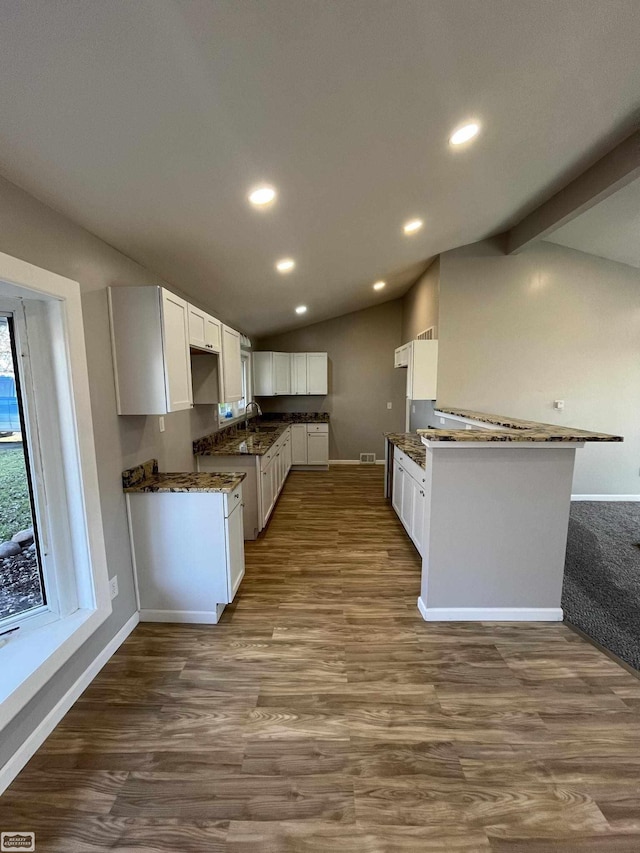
column 146, row 478
column 512, row 429
column 411, row 444
column 265, row 431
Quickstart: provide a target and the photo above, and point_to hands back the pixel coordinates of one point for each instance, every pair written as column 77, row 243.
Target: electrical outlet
column 113, row 586
column 441, row 420
column 413, row 410
column 389, row 405
column 161, row 423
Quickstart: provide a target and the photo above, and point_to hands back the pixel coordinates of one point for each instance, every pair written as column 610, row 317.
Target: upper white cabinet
column 213, row 334
column 317, row 373
column 298, row 373
column 150, row 341
column 401, row 357
column 421, row 360
column 231, row 383
column 279, row 373
column 271, row 374
column 204, row 330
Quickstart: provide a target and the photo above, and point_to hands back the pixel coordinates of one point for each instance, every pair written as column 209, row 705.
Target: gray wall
column 420, row 305
column 33, row 232
column 517, row 332
column 362, row 378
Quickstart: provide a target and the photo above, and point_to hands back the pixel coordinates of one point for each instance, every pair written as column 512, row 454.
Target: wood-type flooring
column 322, row 714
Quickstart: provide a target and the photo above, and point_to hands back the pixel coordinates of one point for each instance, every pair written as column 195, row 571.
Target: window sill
column 29, row 661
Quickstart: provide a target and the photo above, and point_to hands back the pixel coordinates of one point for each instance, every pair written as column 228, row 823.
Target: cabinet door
column 419, row 509
column 299, row 444
column 177, row 366
column 298, row 373
column 406, row 512
column 197, row 324
column 317, row 448
column 288, row 453
column 235, row 550
column 213, row 334
column 396, row 496
column 317, row 370
column 282, row 373
column 231, row 366
column 266, row 492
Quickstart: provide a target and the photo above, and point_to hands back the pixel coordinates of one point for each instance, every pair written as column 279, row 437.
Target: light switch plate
column 161, row 423
column 389, row 405
column 113, row 586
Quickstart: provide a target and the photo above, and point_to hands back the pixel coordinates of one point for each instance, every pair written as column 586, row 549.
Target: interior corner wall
column 362, row 378
column 34, row 233
column 420, row 305
column 518, row 332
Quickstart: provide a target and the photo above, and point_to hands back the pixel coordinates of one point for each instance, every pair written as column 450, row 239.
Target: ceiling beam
column 615, row 170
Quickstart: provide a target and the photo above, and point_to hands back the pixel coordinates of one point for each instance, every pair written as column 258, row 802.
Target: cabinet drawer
column 317, row 428
column 234, row 499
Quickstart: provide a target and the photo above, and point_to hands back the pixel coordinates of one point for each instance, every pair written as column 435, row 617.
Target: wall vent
column 428, row 334
column 367, row 458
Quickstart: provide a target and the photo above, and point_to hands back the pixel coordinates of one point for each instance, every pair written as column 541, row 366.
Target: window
column 46, row 421
column 22, row 584
column 229, row 412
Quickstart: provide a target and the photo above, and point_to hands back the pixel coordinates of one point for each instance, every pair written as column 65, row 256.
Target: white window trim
column 33, row 655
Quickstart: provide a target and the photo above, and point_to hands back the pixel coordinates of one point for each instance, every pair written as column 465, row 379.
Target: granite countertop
column 510, row 429
column 146, row 478
column 236, row 441
column 411, row 444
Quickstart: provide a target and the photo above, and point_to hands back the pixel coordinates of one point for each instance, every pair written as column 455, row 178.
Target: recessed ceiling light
column 412, row 226
column 285, row 265
column 464, row 134
column 301, row 309
column 379, row 285
column 262, row 196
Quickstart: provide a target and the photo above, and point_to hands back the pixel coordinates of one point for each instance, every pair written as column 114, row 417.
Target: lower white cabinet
column 409, row 497
column 188, row 553
column 273, row 468
column 310, row 444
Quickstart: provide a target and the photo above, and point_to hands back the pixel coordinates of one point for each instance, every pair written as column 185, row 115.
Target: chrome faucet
column 246, row 412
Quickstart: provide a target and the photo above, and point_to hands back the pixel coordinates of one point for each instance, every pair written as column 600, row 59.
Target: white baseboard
column 35, row 740
column 605, row 497
column 188, row 617
column 489, row 614
column 354, row 462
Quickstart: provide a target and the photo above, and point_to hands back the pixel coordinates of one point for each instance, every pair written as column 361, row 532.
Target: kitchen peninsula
column 488, row 509
column 265, row 452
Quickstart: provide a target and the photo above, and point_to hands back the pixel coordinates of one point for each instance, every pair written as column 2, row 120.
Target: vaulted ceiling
column 147, row 122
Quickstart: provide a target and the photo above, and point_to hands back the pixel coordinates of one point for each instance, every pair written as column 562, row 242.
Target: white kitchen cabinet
column 317, row 373
column 150, row 344
column 421, row 360
column 298, row 373
column 282, row 373
column 401, row 356
column 197, row 326
column 406, row 509
column 188, row 553
column 299, row 444
column 231, row 384
column 285, row 373
column 204, row 330
column 271, row 374
column 419, row 513
column 317, row 444
column 213, row 334
column 267, row 490
column 409, row 497
column 396, row 494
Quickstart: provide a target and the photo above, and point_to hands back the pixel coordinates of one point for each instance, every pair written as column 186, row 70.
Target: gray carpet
column 601, row 593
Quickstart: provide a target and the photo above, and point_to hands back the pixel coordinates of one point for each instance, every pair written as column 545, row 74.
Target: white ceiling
column 148, row 121
column 610, row 230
